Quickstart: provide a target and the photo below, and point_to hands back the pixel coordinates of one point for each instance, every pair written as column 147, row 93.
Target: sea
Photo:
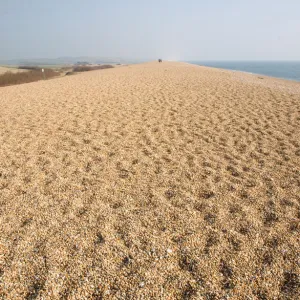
column 281, row 69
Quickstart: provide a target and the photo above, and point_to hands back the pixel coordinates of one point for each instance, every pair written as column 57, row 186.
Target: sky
column 143, row 29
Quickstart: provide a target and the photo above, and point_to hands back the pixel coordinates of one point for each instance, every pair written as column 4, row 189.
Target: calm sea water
column 287, row 70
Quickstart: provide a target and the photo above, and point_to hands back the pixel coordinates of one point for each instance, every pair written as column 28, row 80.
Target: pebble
column 169, row 250
column 142, row 284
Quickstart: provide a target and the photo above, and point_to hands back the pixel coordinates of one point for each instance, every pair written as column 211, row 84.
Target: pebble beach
column 150, row 181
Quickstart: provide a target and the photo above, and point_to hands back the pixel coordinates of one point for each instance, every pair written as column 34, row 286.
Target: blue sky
column 179, row 30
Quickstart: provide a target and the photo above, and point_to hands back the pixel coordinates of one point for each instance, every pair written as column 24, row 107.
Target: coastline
column 249, row 72
column 283, row 84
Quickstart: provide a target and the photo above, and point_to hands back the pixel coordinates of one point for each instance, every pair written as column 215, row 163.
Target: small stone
column 169, row 251
column 142, row 284
column 100, row 239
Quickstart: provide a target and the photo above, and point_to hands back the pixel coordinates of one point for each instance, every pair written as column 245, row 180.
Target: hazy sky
column 171, row 29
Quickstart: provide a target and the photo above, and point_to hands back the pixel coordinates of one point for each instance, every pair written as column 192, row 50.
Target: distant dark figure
column 160, row 60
